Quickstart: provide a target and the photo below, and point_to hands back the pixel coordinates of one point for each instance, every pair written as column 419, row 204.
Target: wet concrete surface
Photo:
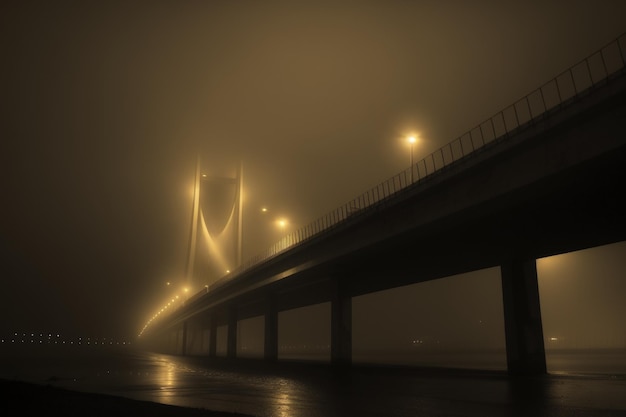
column 316, row 390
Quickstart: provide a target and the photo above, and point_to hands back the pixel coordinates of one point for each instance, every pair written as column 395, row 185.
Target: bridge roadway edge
column 524, row 217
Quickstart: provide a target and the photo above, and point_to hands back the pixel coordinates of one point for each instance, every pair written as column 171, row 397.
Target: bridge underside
column 556, row 187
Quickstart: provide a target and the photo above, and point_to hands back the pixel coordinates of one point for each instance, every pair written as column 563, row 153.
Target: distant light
column 554, row 339
column 228, row 271
column 264, row 209
column 412, row 139
column 203, row 175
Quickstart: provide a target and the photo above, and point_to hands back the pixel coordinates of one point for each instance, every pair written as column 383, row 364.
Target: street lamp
column 411, row 140
column 282, row 223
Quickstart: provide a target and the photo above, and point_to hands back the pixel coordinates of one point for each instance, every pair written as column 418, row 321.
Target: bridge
column 544, row 176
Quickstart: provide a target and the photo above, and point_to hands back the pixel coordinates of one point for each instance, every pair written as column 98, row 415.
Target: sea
column 589, row 383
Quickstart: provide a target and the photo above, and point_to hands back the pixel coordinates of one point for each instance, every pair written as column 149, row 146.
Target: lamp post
column 282, row 223
column 411, row 140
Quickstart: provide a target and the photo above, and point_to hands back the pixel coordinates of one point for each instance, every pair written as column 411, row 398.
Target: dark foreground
column 131, row 382
column 32, row 399
column 27, row 399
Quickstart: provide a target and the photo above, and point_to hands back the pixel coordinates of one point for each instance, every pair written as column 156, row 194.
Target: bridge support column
column 271, row 329
column 172, row 341
column 525, row 350
column 183, row 344
column 231, row 343
column 213, row 335
column 340, row 326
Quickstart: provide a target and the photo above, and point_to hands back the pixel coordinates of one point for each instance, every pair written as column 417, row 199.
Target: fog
column 107, row 105
column 440, row 321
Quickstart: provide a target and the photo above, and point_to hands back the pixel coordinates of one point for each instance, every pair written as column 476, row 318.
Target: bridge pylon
column 216, row 227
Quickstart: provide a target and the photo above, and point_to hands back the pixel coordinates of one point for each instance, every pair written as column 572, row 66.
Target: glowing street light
column 282, row 223
column 411, row 141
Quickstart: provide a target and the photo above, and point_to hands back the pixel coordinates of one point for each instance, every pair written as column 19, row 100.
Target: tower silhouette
column 215, row 237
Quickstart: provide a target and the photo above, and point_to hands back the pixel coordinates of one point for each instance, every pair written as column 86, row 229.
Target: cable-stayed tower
column 216, row 229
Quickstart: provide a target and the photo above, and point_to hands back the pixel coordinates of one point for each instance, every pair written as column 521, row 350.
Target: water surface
column 300, row 390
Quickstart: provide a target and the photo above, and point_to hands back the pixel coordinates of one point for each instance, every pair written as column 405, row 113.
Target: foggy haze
column 107, row 105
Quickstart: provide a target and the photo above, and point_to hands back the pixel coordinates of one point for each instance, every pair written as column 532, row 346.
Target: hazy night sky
column 106, row 104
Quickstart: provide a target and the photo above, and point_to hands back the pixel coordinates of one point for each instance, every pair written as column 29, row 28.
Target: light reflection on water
column 249, row 388
column 187, row 382
column 167, row 378
column 283, row 404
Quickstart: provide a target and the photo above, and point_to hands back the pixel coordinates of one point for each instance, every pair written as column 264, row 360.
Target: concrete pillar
column 183, row 342
column 340, row 326
column 271, row 329
column 213, row 335
column 173, row 342
column 201, row 341
column 522, row 318
column 231, row 343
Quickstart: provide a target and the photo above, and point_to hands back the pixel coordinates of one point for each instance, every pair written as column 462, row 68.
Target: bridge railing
column 568, row 86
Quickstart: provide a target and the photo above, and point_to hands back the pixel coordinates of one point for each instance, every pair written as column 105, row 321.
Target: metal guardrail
column 566, row 87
